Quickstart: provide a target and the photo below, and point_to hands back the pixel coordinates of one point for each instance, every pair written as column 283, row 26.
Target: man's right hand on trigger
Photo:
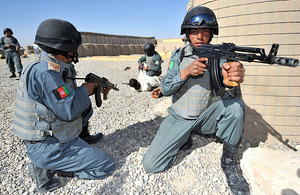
column 90, row 87
column 194, row 69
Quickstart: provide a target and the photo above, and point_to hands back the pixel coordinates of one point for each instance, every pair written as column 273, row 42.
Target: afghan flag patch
column 171, row 64
column 61, row 92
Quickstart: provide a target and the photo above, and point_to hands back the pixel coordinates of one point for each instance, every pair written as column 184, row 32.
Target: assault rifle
column 14, row 45
column 229, row 51
column 102, row 83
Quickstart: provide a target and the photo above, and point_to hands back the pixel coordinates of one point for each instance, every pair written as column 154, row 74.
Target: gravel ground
column 129, row 124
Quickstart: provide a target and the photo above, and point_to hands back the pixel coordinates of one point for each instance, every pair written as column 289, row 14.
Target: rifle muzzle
column 286, row 61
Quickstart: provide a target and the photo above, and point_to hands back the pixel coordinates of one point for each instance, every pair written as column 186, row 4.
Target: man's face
column 199, row 36
column 70, row 60
column 8, row 34
column 150, row 53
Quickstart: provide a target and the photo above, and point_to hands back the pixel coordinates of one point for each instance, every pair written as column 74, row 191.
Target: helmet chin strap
column 187, row 37
column 73, row 57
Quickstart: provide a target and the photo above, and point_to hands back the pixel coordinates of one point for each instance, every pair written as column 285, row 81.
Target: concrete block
column 272, row 172
column 108, row 49
column 88, row 49
column 99, row 49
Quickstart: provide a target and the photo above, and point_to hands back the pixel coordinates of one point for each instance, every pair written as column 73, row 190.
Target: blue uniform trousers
column 86, row 161
column 225, row 118
column 12, row 59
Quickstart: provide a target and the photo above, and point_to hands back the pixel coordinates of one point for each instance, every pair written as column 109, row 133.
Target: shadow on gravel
column 199, row 140
column 124, row 142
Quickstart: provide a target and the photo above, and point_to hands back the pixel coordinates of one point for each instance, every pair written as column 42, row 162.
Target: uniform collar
column 189, row 49
column 51, row 58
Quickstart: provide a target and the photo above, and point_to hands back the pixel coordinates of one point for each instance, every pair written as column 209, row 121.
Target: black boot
column 13, row 75
column 236, row 181
column 43, row 179
column 90, row 139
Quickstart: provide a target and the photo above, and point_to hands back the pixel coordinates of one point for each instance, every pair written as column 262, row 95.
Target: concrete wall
column 100, row 38
column 167, row 46
column 271, row 92
column 99, row 44
column 90, row 49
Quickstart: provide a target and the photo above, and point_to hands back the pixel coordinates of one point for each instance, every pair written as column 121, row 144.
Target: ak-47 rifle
column 13, row 45
column 229, row 51
column 102, row 83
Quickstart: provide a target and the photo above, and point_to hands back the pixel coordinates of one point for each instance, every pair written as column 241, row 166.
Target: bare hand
column 233, row 71
column 140, row 66
column 194, row 69
column 90, row 87
column 105, row 90
column 146, row 69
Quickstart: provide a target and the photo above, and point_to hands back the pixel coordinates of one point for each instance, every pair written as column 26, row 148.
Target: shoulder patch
column 53, row 66
column 61, row 92
column 171, row 64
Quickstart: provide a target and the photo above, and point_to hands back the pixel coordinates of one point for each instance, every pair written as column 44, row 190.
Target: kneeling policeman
column 50, row 111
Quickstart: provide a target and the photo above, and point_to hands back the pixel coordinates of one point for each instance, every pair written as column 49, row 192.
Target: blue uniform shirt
column 172, row 81
column 41, row 86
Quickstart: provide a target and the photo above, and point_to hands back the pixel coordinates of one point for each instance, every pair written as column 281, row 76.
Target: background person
column 11, row 47
column 149, row 70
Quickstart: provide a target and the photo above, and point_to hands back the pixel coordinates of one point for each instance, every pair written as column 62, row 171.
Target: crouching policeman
column 195, row 108
column 50, row 111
